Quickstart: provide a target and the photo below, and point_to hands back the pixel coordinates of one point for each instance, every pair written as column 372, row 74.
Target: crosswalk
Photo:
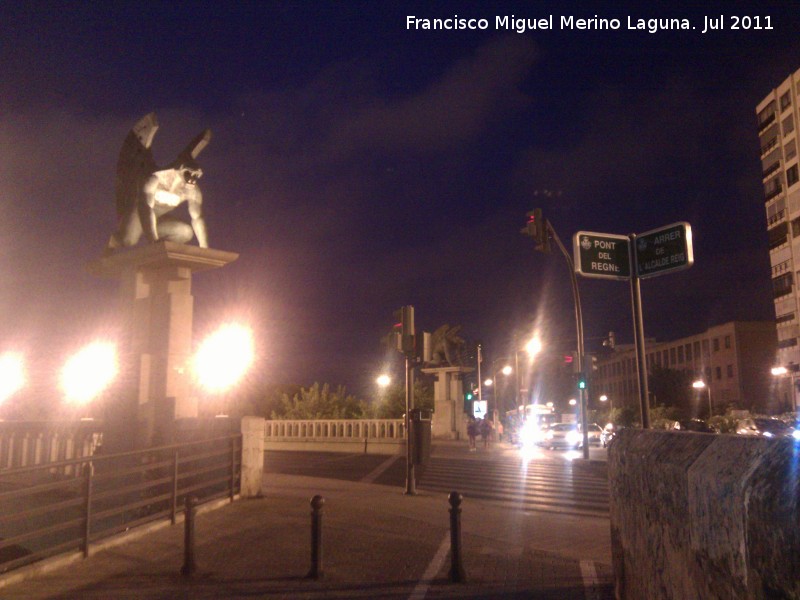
column 544, row 485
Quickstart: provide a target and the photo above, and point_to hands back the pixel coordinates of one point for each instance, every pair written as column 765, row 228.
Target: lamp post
column 700, row 385
column 505, row 370
column 532, row 347
column 782, row 371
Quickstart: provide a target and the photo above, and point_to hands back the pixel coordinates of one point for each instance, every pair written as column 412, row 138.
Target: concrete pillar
column 253, row 429
column 448, row 420
column 156, row 306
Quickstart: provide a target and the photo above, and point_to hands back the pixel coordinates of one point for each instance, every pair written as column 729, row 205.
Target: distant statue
column 447, row 348
column 146, row 194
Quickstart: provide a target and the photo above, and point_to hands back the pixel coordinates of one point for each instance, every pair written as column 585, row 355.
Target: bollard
column 457, row 574
column 317, row 502
column 189, row 567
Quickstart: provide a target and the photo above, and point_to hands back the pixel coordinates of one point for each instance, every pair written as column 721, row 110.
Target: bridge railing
column 31, row 443
column 372, row 436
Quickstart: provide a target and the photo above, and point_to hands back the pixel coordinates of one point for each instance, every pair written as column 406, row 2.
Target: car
column 697, row 425
column 562, row 435
column 764, row 427
column 595, row 433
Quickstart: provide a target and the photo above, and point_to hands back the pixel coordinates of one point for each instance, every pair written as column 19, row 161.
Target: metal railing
column 46, row 510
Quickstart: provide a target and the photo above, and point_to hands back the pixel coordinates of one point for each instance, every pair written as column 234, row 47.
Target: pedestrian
column 472, row 433
column 486, row 431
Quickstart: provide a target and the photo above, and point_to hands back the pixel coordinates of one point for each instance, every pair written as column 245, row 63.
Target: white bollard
column 253, row 431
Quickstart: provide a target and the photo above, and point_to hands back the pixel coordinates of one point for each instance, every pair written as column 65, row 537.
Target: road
column 541, row 480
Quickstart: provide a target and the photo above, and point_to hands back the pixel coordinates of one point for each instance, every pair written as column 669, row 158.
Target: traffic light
column 582, row 383
column 404, row 329
column 468, row 398
column 536, row 227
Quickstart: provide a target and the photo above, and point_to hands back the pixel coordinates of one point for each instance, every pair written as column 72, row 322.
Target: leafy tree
column 391, row 404
column 673, row 389
column 320, row 402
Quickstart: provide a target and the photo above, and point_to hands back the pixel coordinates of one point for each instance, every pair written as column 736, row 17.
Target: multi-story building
column 777, row 122
column 733, row 360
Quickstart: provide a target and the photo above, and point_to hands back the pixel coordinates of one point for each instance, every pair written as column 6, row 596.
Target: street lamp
column 700, row 385
column 383, row 380
column 782, row 371
column 532, row 347
column 12, row 375
column 89, row 372
column 223, row 358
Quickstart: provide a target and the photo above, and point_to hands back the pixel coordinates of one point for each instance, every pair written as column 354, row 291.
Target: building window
column 680, row 354
column 688, row 353
column 788, row 125
column 672, row 357
column 782, row 285
column 784, row 318
column 791, row 176
column 707, row 373
column 727, row 341
column 766, row 116
column 730, row 371
column 718, row 371
column 772, row 188
column 786, row 101
column 716, row 344
column 705, row 348
column 666, row 358
column 697, row 350
column 790, row 150
column 778, row 235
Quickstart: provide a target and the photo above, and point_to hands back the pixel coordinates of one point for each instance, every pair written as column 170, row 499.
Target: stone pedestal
column 449, row 421
column 156, row 306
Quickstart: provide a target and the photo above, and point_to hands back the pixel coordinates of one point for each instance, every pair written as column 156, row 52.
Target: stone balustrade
column 27, row 444
column 371, row 436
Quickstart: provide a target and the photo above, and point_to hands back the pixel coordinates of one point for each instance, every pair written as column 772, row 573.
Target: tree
column 673, row 389
column 320, row 402
column 392, row 402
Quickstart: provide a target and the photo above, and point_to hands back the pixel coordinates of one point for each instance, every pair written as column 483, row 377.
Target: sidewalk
column 377, row 543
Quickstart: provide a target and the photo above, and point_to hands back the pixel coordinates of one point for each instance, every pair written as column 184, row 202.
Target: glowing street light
column 701, row 385
column 533, row 347
column 224, row 357
column 383, row 380
column 12, row 375
column 89, row 372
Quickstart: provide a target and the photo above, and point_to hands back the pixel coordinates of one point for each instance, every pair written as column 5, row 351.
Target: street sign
column 602, row 255
column 664, row 250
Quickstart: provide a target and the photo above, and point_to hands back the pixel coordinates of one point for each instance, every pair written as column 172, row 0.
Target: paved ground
column 377, row 543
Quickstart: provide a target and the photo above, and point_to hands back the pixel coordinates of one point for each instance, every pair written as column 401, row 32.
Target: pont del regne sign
column 655, row 252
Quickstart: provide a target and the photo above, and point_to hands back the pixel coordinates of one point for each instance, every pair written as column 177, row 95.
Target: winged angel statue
column 147, row 194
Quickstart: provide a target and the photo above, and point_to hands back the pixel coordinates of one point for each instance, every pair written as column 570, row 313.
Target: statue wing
column 197, row 145
column 135, row 163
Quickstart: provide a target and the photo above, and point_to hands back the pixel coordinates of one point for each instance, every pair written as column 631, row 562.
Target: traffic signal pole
column 579, row 335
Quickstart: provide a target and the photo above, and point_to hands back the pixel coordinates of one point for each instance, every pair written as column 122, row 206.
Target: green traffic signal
column 581, row 384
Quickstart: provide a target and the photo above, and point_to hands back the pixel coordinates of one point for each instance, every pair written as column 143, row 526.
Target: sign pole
column 638, row 327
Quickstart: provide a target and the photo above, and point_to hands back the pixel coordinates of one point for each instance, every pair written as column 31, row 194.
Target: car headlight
column 549, row 435
column 573, row 437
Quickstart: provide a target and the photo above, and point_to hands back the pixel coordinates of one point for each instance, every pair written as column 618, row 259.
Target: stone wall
column 704, row 516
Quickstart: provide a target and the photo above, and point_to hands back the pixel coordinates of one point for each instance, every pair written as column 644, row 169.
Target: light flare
column 12, row 374
column 224, row 357
column 89, row 372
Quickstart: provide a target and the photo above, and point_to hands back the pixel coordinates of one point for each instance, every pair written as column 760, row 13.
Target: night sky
column 357, row 165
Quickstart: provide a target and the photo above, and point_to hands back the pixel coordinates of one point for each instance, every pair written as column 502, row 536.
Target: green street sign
column 664, row 250
column 601, row 255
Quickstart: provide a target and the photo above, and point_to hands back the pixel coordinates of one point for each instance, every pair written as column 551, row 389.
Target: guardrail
column 371, row 436
column 46, row 510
